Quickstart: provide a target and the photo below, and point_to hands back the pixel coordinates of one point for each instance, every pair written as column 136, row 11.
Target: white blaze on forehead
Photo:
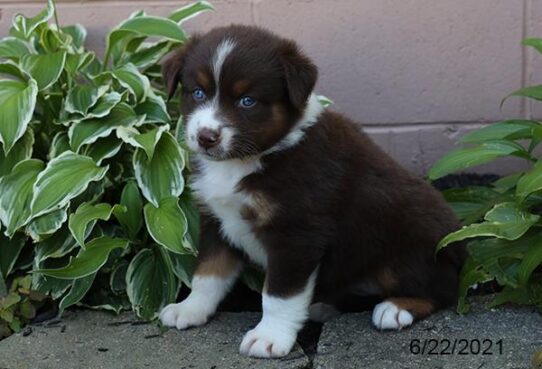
column 207, row 115
column 221, row 53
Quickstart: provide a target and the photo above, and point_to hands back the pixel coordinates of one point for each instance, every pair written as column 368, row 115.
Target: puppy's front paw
column 266, row 342
column 387, row 315
column 183, row 315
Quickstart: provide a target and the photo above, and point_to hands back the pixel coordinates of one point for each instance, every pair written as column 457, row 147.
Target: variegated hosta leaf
column 104, row 105
column 131, row 219
column 133, row 80
column 155, row 109
column 167, row 224
column 51, row 40
column 150, row 282
column 78, row 34
column 190, row 11
column 44, row 68
column 56, row 246
column 65, row 177
column 146, row 141
column 16, row 194
column 19, row 152
column 12, row 47
column 47, row 224
column 9, row 252
column 13, row 70
column 102, row 149
column 85, row 217
column 81, row 98
column 23, row 27
column 148, row 55
column 78, row 290
column 162, row 176
column 89, row 260
column 59, row 145
column 88, row 131
column 77, row 62
column 17, row 103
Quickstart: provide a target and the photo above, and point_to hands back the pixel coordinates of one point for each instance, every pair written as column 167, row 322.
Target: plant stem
column 55, row 13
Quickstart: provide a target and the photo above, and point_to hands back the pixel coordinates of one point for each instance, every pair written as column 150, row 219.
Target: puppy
column 301, row 192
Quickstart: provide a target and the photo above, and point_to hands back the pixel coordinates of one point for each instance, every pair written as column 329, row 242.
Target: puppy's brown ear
column 300, row 73
column 172, row 66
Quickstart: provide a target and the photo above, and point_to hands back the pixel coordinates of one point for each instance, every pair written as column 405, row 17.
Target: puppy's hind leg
column 400, row 312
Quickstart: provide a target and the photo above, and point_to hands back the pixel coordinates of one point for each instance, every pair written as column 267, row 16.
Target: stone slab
column 96, row 340
column 349, row 341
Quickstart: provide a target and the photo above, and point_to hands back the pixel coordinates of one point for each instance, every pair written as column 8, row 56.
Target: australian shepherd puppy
column 300, row 191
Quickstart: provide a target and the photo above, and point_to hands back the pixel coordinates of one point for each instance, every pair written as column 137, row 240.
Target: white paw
column 387, row 315
column 183, row 315
column 265, row 341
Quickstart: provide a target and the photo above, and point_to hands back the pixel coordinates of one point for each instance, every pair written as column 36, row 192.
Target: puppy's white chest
column 217, row 186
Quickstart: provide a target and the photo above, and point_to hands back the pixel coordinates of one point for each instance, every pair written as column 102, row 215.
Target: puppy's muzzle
column 208, row 138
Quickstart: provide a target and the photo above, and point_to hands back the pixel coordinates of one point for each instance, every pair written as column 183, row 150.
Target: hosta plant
column 502, row 222
column 93, row 200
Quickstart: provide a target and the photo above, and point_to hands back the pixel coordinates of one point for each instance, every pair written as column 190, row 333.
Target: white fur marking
column 216, row 186
column 221, row 53
column 206, row 294
column 387, row 315
column 310, row 117
column 282, row 319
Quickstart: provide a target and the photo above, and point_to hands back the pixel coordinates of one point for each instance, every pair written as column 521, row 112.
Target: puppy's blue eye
column 198, row 94
column 247, row 102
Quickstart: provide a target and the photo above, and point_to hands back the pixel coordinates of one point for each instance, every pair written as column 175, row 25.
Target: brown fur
column 335, row 201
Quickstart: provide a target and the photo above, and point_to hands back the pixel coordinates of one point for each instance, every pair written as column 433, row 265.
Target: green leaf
column 162, row 176
column 189, row 206
column 508, row 129
column 9, row 252
column 47, row 224
column 533, row 42
column 58, row 245
column 44, row 68
column 88, row 131
column 52, row 41
column 505, row 221
column 19, row 152
column 11, row 47
column 78, row 34
column 89, row 260
column 83, row 220
column 150, row 282
column 146, row 141
column 78, row 62
column 16, row 189
column 131, row 219
column 468, row 157
column 17, row 103
column 102, row 149
column 190, row 11
column 65, row 177
column 154, row 108
column 23, row 26
column 78, row 290
column 149, row 55
column 167, row 224
column 134, row 81
column 531, row 92
column 117, row 280
column 183, row 267
column 154, row 26
column 530, row 182
column 324, row 101
column 532, row 259
column 81, row 98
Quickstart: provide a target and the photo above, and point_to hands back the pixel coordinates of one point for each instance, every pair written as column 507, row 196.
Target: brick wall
column 418, row 73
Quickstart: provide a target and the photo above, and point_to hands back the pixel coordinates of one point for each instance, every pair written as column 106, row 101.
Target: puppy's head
column 243, row 90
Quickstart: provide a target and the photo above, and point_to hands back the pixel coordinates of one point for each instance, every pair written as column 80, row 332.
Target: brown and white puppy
column 301, row 192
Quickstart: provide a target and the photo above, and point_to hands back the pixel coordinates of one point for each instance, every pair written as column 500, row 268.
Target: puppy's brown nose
column 208, row 138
